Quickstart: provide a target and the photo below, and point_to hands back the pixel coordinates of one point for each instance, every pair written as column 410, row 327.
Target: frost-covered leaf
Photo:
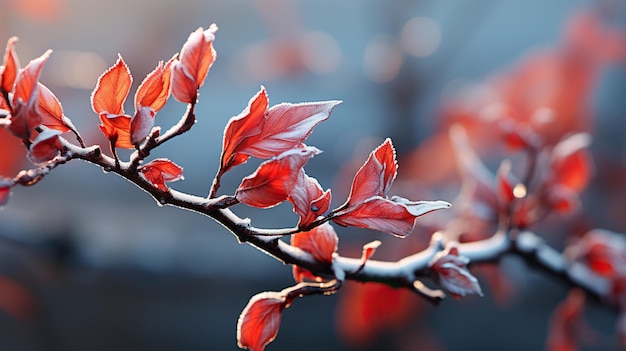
column 275, row 179
column 46, row 146
column 287, row 126
column 248, row 124
column 161, row 170
column 112, row 89
column 308, row 199
column 387, row 215
column 259, row 322
column 451, row 272
column 26, row 114
column 193, row 64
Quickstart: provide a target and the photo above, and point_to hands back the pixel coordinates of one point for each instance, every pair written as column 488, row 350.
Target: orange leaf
column 274, row 180
column 155, row 88
column 116, row 128
column 25, row 98
column 192, row 66
column 198, row 54
column 112, row 89
column 11, row 66
column 161, row 170
column 51, row 111
column 259, row 321
column 247, row 124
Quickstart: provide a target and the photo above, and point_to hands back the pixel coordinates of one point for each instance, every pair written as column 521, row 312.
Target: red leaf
column 192, row 67
column 320, row 242
column 308, row 199
column 155, row 88
column 396, row 216
column 603, row 251
column 11, row 66
column 5, row 190
column 367, row 310
column 112, row 89
column 247, row 124
column 286, row 127
column 46, row 146
column 259, row 322
column 161, row 170
column 376, row 175
column 571, row 162
column 26, row 97
column 451, row 272
column 275, row 179
column 505, row 184
column 565, row 324
column 51, row 111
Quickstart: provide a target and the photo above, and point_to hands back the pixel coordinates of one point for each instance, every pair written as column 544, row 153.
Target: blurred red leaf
column 275, row 179
column 247, row 124
column 161, row 170
column 10, row 66
column 367, row 310
column 193, row 64
column 565, row 324
column 5, row 190
column 571, row 163
column 451, row 272
column 308, row 199
column 259, row 321
column 112, row 89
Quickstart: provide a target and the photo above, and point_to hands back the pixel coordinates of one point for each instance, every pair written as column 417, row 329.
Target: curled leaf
column 451, row 272
column 192, row 66
column 275, row 179
column 46, row 146
column 308, row 199
column 161, row 170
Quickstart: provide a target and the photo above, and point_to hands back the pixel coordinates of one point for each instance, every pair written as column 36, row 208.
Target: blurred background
column 87, row 261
